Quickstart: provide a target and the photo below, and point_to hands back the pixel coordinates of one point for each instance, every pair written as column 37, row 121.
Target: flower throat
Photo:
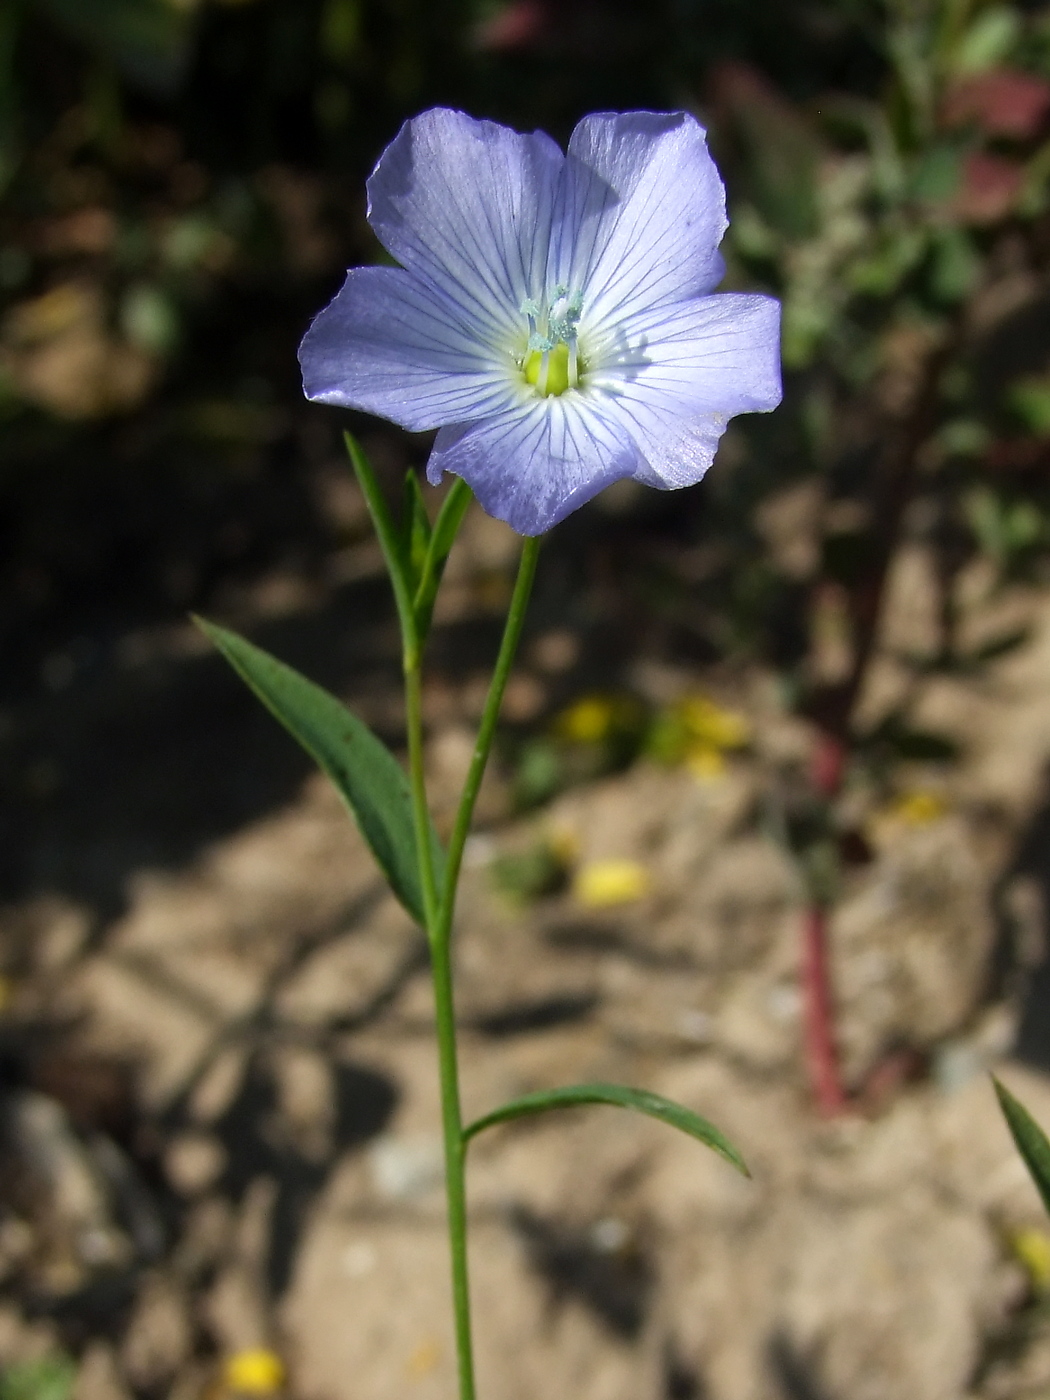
column 551, row 363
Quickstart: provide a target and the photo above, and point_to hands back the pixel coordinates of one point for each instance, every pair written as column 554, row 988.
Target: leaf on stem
column 442, row 537
column 1031, row 1141
column 367, row 775
column 640, row 1100
column 390, row 538
column 415, row 530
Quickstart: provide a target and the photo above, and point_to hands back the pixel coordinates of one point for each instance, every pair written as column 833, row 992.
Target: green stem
column 486, row 733
column 439, row 910
column 420, row 810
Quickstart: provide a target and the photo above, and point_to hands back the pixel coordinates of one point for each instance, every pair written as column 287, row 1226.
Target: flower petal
column 534, row 464
column 682, row 373
column 640, row 214
column 392, row 345
column 717, row 354
column 466, row 205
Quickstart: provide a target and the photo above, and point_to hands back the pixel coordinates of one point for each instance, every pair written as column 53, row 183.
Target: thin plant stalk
column 822, row 1060
column 439, row 907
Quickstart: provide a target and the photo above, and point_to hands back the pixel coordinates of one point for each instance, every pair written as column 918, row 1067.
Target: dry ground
column 221, row 1115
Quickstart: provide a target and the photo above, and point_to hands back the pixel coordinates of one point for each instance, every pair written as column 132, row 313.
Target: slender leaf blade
column 415, row 529
column 1031, row 1141
column 389, row 537
column 450, row 517
column 442, row 537
column 639, row 1100
column 369, row 778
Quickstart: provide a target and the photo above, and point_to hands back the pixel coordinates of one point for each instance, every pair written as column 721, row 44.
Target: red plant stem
column 834, row 709
column 818, row 1011
column 822, row 1061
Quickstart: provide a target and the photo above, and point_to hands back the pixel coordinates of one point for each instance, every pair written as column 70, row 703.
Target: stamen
column 530, row 309
column 552, row 361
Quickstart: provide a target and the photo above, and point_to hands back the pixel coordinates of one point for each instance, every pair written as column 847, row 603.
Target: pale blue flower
column 552, row 314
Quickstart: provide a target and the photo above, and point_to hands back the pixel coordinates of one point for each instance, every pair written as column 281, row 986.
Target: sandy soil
column 220, row 1113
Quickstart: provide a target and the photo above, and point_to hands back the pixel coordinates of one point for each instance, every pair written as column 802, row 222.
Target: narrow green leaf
column 442, row 538
column 453, row 508
column 1030, row 1139
column 387, row 533
column 369, row 778
column 640, row 1100
column 415, row 530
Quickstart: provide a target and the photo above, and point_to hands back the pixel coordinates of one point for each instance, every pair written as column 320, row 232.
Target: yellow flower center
column 557, row 378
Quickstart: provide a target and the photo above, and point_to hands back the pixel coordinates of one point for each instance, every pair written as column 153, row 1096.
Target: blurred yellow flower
column 258, row 1372
column 1032, row 1248
column 919, row 808
column 698, row 733
column 564, row 844
column 915, row 809
column 425, row 1359
column 709, row 725
column 603, row 883
column 705, row 762
column 587, row 721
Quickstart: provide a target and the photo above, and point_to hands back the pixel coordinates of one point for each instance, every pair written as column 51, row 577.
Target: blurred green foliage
column 47, row 1378
column 181, row 185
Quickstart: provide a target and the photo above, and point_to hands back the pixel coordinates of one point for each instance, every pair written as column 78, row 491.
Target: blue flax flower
column 552, row 314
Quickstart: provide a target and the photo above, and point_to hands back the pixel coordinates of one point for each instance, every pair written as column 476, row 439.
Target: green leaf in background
column 640, row 1100
column 1030, row 401
column 368, row 776
column 150, row 40
column 988, row 41
column 47, row 1378
column 1030, row 1139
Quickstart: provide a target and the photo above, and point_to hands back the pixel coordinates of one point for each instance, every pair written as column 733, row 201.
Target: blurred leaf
column 369, row 778
column 539, row 773
column 341, row 29
column 988, row 41
column 938, row 173
column 882, row 272
column 955, row 266
column 523, row 876
column 1030, row 401
column 895, row 737
column 991, row 188
column 1007, row 102
column 638, row 1100
column 1030, row 1139
column 964, row 437
column 149, row 319
column 48, row 1378
column 148, row 39
column 1003, row 645
column 779, row 151
column 1004, row 529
